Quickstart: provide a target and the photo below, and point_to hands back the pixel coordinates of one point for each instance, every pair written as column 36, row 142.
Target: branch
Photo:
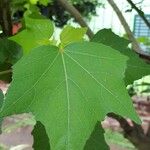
column 135, row 44
column 140, row 12
column 5, row 72
column 75, row 13
column 148, row 131
column 5, row 17
column 135, row 134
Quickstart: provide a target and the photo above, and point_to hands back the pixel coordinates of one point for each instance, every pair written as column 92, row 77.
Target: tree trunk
column 5, row 17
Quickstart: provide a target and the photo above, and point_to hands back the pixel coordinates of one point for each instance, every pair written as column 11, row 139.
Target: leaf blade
column 136, row 67
column 70, row 34
column 38, row 31
column 69, row 90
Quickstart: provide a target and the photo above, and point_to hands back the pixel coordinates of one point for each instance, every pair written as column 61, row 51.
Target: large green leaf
column 136, row 67
column 69, row 92
column 38, row 32
column 95, row 141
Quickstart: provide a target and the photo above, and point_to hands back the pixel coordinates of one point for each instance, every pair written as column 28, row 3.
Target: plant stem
column 5, row 72
column 76, row 14
column 135, row 133
column 140, row 12
column 135, row 44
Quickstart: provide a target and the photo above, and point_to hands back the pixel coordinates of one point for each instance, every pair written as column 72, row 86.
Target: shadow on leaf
column 96, row 141
column 41, row 140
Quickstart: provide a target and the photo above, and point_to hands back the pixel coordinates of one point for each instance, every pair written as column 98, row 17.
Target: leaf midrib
column 68, row 102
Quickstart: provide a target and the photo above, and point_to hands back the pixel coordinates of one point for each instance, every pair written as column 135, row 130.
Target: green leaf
column 41, row 140
column 107, row 37
column 38, row 32
column 97, row 139
column 33, row 1
column 71, row 34
column 136, row 67
column 10, row 52
column 45, row 2
column 32, row 9
column 69, row 92
column 5, row 77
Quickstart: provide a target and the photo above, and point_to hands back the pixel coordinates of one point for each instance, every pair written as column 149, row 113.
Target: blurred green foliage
column 53, row 10
column 144, row 40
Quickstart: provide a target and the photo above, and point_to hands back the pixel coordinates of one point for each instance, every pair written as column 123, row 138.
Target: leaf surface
column 45, row 2
column 136, row 67
column 69, row 92
column 70, row 34
column 97, row 139
column 38, row 32
column 10, row 52
column 41, row 140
